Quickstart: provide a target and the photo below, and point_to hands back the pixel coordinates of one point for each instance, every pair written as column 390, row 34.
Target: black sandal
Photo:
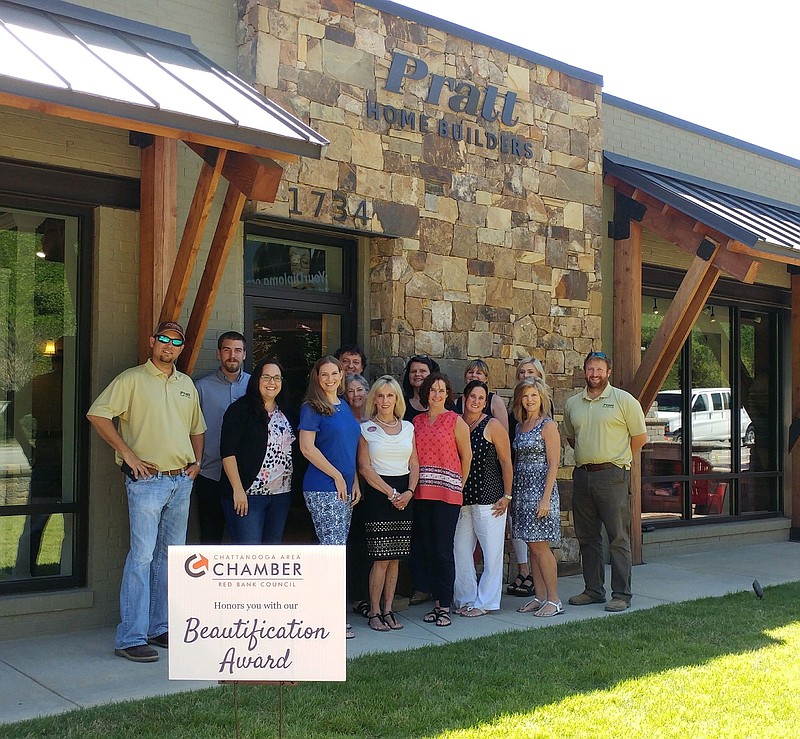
column 391, row 621
column 444, row 618
column 432, row 616
column 381, row 624
column 526, row 590
column 512, row 586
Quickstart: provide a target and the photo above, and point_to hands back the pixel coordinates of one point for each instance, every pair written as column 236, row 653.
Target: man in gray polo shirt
column 217, row 391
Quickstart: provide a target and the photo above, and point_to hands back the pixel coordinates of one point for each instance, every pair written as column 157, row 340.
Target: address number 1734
column 336, row 205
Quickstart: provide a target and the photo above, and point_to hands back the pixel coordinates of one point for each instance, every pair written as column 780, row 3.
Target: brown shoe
column 585, row 599
column 615, row 605
column 162, row 640
column 139, row 653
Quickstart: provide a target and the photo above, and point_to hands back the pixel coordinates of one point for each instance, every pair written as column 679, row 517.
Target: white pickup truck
column 711, row 415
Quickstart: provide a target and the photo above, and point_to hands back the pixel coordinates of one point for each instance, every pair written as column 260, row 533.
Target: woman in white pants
column 482, row 519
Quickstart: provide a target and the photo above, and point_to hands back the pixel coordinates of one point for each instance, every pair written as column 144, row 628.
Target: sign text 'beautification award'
column 257, row 613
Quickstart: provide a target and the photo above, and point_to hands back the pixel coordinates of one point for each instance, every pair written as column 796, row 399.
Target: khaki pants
column 603, row 498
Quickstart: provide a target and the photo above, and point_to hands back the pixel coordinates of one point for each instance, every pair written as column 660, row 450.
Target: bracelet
column 409, row 491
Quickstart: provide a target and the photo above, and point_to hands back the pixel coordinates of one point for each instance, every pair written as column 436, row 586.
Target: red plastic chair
column 707, row 495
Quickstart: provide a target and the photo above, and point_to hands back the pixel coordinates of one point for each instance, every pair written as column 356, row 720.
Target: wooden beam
column 687, row 233
column 627, row 306
column 794, row 487
column 204, row 192
column 691, row 296
column 112, row 121
column 212, row 276
column 256, row 177
column 157, row 233
column 740, row 248
column 627, row 350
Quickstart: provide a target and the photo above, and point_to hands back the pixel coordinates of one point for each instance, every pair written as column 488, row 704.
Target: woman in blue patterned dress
column 536, row 507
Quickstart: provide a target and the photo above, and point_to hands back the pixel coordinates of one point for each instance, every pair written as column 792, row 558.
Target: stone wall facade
column 479, row 171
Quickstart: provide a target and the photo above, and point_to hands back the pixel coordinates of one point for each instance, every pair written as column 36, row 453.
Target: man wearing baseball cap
column 157, row 446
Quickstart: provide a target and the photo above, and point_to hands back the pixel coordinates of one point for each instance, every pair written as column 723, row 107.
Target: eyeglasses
column 168, row 340
column 272, row 378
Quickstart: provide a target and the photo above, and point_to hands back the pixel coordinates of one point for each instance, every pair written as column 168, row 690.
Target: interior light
column 49, row 348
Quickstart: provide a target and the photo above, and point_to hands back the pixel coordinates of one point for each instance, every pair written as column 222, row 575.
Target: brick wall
column 210, row 23
column 651, row 139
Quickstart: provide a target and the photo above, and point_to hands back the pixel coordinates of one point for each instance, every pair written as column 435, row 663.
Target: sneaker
column 162, row 640
column 585, row 599
column 139, row 653
column 615, row 605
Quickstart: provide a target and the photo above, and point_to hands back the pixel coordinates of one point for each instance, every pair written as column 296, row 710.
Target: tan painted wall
column 650, row 140
column 34, row 137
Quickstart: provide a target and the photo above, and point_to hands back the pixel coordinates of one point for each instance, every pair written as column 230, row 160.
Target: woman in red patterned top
column 442, row 442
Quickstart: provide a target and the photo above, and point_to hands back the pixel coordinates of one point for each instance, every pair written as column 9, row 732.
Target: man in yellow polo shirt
column 605, row 426
column 158, row 445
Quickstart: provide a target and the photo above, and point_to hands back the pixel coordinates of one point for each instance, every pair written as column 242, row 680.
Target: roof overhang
column 767, row 226
column 74, row 62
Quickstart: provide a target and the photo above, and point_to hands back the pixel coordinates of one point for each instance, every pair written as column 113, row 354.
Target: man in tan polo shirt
column 158, row 445
column 605, row 426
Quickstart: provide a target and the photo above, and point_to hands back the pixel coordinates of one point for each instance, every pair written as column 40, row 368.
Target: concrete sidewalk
column 49, row 675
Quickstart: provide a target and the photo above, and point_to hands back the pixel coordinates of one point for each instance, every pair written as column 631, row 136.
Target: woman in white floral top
column 256, row 449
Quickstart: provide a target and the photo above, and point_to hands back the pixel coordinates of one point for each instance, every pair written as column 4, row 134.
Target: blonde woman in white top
column 388, row 463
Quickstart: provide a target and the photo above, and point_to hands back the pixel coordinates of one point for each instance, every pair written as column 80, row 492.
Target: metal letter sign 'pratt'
column 257, row 613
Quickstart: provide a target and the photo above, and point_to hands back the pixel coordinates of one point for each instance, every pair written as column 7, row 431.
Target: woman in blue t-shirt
column 329, row 435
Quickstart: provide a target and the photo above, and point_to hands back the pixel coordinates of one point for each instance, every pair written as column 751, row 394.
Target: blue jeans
column 158, row 511
column 264, row 522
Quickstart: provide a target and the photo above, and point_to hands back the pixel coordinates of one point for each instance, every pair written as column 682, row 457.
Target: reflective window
column 293, row 265
column 38, row 410
column 713, row 442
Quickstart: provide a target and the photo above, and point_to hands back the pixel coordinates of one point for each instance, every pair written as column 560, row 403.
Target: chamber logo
column 196, row 565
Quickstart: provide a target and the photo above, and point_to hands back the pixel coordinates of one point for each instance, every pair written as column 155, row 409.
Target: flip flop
column 390, row 619
column 474, row 612
column 529, row 607
column 376, row 623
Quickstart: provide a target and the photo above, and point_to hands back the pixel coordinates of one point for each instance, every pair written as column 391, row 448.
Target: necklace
column 475, row 422
column 388, row 425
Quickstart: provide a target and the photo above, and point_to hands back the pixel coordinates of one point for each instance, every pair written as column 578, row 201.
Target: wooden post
column 199, row 210
column 157, row 232
column 212, row 275
column 691, row 296
column 627, row 350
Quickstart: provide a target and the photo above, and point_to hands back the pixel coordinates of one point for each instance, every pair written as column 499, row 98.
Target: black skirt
column 388, row 530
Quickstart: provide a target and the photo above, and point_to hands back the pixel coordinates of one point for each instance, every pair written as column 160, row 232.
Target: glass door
column 299, row 306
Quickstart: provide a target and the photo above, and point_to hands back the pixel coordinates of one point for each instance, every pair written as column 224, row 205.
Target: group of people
column 423, row 476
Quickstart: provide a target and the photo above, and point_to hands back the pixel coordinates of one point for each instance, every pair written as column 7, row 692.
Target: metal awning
column 764, row 224
column 66, row 60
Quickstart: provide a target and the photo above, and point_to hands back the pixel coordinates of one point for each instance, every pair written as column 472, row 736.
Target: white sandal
column 527, row 607
column 556, row 604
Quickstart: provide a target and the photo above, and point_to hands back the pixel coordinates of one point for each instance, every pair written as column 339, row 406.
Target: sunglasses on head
column 168, row 340
column 598, row 355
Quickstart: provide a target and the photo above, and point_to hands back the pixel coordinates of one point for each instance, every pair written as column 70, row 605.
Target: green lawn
column 49, row 559
column 720, row 667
